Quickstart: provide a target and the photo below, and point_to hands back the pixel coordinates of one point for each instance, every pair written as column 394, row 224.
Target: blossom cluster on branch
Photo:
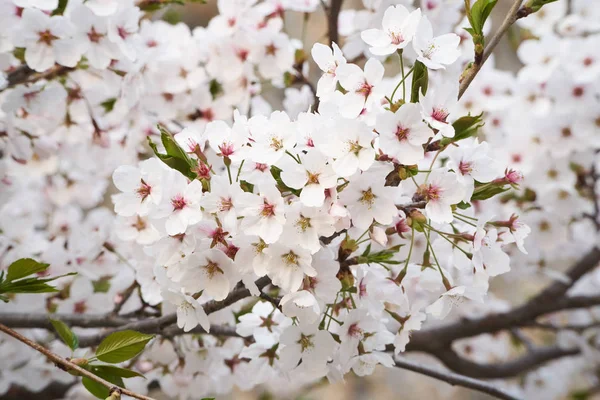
column 307, row 240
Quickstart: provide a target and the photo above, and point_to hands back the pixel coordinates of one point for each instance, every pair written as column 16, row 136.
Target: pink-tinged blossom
column 363, row 88
column 399, row 28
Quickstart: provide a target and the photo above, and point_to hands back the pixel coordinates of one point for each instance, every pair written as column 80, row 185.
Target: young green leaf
column 176, row 158
column 115, row 371
column 65, row 333
column 420, row 82
column 24, row 267
column 122, row 346
column 99, row 390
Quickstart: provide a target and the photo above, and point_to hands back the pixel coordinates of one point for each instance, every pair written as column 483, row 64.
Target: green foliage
column 420, row 81
column 109, row 104
column 488, row 191
column 65, row 333
column 154, row 5
column 99, row 390
column 464, row 127
column 115, row 371
column 477, row 15
column 535, row 5
column 176, row 157
column 62, row 5
column 122, row 346
column 380, row 257
column 18, row 279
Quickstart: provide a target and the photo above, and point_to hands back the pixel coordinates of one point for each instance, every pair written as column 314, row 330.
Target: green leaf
column 479, row 13
column 176, row 157
column 24, row 267
column 122, row 346
column 109, row 105
column 101, row 370
column 65, row 333
column 489, row 192
column 215, row 88
column 99, row 390
column 420, row 81
column 463, row 206
column 62, row 5
column 464, row 127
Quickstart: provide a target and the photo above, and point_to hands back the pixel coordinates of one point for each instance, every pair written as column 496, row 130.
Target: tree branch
column 456, row 379
column 68, row 366
column 511, row 17
column 550, row 300
column 509, row 369
column 157, row 325
column 333, row 15
column 24, row 74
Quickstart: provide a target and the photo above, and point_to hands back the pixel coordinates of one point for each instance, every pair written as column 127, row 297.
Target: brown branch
column 456, row 379
column 68, row 366
column 508, row 369
column 511, row 18
column 333, row 15
column 550, row 300
column 157, row 325
column 24, row 74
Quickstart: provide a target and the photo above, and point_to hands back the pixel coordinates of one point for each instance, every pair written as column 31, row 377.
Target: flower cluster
column 366, row 208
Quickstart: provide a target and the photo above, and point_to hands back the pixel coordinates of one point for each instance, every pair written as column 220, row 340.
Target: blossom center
column 303, row 223
column 290, row 259
column 306, row 342
column 365, row 89
column 402, row 133
column 144, row 190
column 276, row 143
column 268, row 210
column 440, row 114
column 178, row 202
column 355, row 331
column 46, row 37
column 94, row 36
column 396, row 37
column 212, row 268
column 368, row 197
column 225, row 204
column 465, row 167
column 313, row 178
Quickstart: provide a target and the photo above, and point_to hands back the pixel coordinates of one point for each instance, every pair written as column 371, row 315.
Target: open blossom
column 328, row 60
column 399, row 27
column 189, row 311
column 368, row 200
column 307, row 343
column 272, row 137
column 287, row 265
column 211, row 271
column 471, row 163
column 314, row 175
column 403, row 133
column 47, row 40
column 363, row 87
column 301, row 305
column 264, row 214
column 181, row 205
column 225, row 200
column 441, row 191
column 437, row 106
column 350, row 145
column 435, row 52
column 142, row 188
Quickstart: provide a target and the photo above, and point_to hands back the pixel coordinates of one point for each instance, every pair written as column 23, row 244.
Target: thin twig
column 456, row 379
column 24, row 74
column 67, row 365
column 510, row 19
column 333, row 20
